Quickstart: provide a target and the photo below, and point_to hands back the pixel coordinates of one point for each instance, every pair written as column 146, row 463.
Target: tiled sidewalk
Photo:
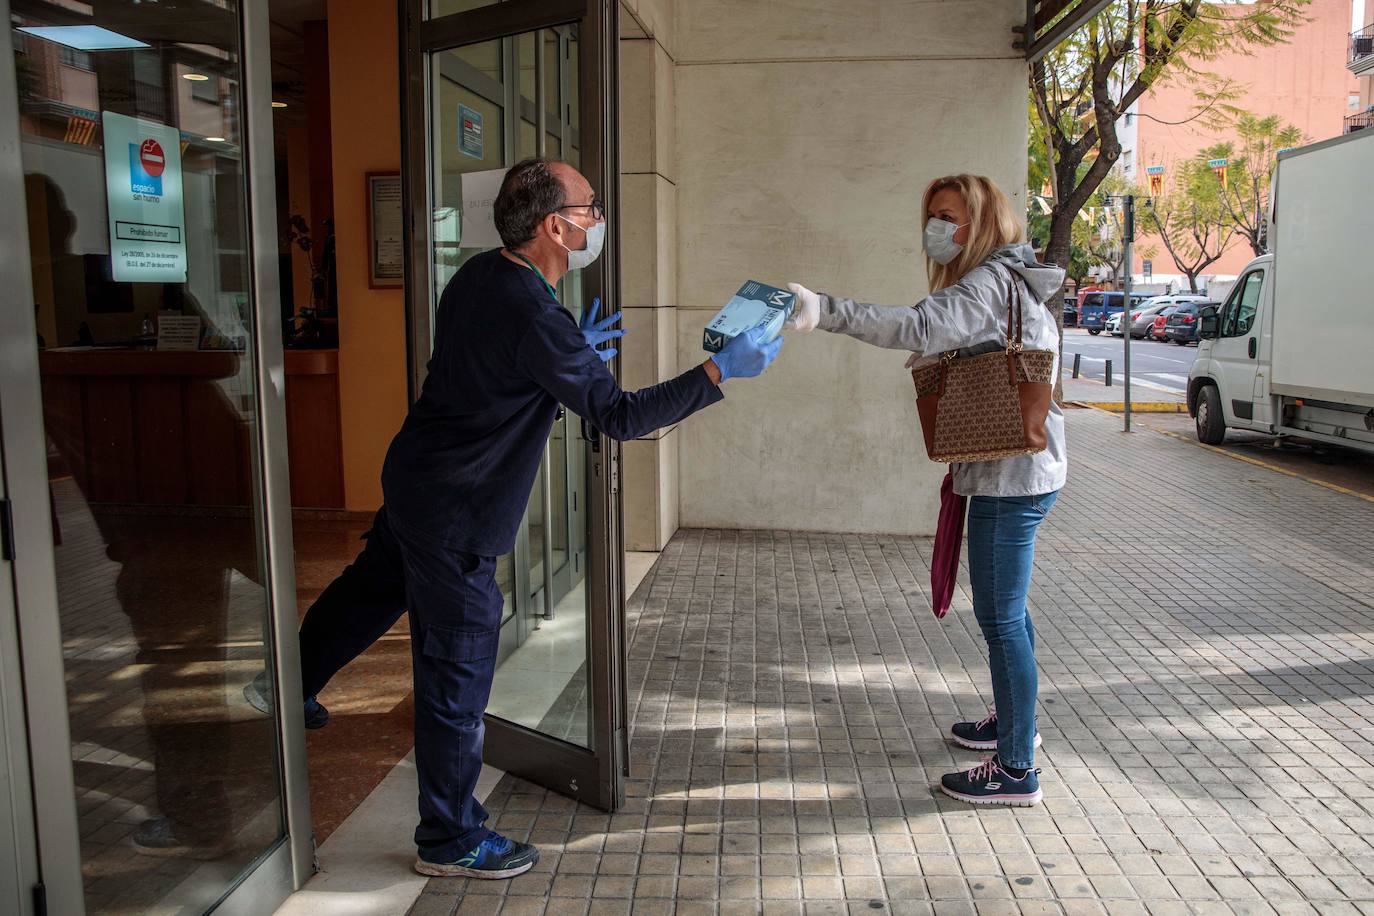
column 1206, row 644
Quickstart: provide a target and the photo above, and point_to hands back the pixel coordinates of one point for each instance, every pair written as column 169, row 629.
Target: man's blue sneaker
column 316, row 716
column 980, row 736
column 495, row 857
column 989, row 784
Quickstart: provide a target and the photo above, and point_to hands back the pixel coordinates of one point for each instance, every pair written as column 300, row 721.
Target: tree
column 1193, row 221
column 1083, row 87
column 1250, row 167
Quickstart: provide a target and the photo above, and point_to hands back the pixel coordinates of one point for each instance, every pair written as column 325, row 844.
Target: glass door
column 143, row 443
column 488, row 85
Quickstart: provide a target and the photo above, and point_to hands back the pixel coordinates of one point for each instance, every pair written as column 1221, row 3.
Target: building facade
column 1305, row 82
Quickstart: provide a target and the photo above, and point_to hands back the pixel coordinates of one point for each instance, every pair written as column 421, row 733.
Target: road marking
column 1172, row 378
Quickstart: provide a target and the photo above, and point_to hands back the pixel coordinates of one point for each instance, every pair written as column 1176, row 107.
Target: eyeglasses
column 597, row 207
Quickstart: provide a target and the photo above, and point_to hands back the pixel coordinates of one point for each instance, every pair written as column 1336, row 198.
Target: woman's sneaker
column 989, row 784
column 980, row 736
column 494, row 857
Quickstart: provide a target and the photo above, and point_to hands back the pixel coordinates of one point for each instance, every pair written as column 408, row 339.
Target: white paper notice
column 178, row 332
column 143, row 191
column 478, row 220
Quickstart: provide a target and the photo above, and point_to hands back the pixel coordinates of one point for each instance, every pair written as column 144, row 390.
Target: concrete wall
column 648, row 232
column 805, row 135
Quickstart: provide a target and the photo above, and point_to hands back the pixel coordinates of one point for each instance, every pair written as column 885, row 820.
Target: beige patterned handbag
column 989, row 406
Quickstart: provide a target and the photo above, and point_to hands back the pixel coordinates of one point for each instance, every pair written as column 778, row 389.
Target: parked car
column 1156, row 329
column 1138, row 317
column 1070, row 311
column 1098, row 306
column 1182, row 326
column 1143, row 319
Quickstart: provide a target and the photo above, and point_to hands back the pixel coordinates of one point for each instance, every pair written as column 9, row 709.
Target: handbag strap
column 1014, row 343
column 1015, row 334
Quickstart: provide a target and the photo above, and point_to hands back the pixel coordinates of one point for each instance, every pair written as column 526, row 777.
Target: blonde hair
column 992, row 224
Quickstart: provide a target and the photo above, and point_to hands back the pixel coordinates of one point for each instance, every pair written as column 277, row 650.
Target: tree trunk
column 1058, row 251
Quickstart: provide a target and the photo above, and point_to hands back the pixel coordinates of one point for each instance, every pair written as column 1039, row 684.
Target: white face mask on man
column 583, row 257
column 938, row 240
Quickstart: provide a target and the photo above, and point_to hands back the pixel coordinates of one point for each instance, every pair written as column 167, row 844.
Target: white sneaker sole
column 985, row 745
column 1009, row 801
column 435, row 870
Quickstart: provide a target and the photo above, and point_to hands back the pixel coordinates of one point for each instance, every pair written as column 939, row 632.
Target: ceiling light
column 278, row 104
column 195, row 77
column 84, row 37
column 215, row 139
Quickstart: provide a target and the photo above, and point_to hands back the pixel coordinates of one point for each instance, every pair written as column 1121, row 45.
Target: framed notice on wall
column 385, row 251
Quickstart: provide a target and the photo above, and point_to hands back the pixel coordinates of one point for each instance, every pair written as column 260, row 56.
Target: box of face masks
column 756, row 303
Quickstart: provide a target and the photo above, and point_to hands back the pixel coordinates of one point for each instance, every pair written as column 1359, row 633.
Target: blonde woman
column 977, row 261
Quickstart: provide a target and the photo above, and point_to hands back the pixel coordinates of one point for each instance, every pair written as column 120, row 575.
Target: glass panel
column 135, row 196
column 558, row 479
column 528, row 141
column 468, row 95
column 439, row 8
column 541, row 680
column 1240, row 313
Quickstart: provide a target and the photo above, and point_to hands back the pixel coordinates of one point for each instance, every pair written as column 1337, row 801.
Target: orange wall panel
column 366, row 131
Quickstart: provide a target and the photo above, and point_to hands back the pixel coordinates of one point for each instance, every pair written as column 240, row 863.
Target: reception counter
column 161, row 427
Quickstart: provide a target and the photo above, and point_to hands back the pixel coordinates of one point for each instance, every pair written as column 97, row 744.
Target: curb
column 1141, row 407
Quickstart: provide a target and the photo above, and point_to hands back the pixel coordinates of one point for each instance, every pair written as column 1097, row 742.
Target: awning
column 1049, row 21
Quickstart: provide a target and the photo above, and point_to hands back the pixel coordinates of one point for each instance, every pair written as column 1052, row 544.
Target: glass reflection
column 134, row 195
column 541, row 677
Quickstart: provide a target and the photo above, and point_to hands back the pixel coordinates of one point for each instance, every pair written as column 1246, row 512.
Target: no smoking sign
column 150, row 156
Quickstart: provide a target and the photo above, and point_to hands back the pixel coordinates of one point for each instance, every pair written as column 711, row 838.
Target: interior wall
column 366, row 132
column 806, row 133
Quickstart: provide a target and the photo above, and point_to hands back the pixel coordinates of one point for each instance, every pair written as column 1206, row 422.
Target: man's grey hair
column 529, row 193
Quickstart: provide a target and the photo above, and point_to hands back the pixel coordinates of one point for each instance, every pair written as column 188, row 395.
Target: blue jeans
column 1001, row 552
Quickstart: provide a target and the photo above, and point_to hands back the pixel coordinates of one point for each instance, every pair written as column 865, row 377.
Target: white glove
column 806, row 314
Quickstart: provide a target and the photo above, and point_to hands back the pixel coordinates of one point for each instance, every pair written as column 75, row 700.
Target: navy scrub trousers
column 455, row 610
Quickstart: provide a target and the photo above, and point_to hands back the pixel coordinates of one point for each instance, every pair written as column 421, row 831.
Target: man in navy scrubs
column 456, row 481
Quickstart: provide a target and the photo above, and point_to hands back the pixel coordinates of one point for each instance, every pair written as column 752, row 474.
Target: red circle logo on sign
column 151, row 158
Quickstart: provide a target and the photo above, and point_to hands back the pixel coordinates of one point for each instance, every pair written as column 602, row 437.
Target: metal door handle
column 591, row 434
column 1252, row 348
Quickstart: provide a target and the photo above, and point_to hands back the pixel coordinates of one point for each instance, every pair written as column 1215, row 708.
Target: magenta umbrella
column 949, row 538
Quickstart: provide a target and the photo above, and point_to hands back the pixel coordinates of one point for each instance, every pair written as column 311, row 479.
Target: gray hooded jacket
column 971, row 317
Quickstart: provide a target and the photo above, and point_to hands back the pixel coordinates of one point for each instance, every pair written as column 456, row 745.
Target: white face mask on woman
column 938, row 240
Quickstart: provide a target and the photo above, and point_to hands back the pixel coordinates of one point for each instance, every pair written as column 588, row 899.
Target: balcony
column 1361, row 121
column 1362, row 50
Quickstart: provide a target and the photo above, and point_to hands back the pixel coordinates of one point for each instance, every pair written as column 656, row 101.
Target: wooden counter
column 174, row 427
column 314, row 430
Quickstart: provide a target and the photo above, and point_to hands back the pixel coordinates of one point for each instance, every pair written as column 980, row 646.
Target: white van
column 1291, row 351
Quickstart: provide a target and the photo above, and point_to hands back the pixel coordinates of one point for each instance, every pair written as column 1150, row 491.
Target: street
column 1153, row 364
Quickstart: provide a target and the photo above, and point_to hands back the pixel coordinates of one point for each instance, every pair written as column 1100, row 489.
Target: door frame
column 595, row 776
column 55, row 862
column 1231, row 355
column 55, row 859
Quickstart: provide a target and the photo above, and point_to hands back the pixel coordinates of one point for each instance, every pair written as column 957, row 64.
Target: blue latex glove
column 598, row 332
column 747, row 355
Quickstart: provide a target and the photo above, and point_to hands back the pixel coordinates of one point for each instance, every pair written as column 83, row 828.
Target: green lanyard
column 537, row 272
